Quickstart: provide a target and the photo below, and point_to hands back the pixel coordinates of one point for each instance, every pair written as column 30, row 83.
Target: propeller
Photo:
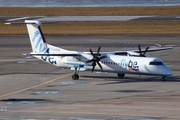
column 142, row 54
column 96, row 58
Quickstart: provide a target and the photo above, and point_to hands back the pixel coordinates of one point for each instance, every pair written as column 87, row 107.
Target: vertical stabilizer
column 37, row 39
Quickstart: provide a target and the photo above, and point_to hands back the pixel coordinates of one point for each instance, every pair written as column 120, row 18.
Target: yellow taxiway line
column 22, row 90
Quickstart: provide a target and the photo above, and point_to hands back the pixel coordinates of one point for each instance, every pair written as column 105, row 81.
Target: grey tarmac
column 33, row 89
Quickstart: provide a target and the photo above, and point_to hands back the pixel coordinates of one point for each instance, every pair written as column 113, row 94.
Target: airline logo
column 49, row 59
column 129, row 65
column 133, row 66
column 39, row 43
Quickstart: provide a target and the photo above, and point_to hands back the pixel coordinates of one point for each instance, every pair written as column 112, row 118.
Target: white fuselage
column 115, row 64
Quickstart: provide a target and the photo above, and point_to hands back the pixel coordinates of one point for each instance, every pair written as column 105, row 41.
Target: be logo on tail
column 40, row 46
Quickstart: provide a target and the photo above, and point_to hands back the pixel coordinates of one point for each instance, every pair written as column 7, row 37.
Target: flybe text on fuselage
column 129, row 65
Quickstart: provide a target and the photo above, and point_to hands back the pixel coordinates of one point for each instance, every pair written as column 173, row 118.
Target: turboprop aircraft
column 120, row 62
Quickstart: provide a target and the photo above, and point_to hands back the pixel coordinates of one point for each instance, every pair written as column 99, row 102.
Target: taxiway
column 32, row 89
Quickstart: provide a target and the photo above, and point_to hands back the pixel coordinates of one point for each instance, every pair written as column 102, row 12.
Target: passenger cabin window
column 156, row 63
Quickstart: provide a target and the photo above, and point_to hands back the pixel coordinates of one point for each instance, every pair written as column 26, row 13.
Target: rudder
column 38, row 42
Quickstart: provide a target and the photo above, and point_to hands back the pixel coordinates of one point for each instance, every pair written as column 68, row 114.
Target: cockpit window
column 156, row 63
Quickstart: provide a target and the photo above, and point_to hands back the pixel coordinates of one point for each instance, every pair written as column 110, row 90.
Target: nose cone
column 167, row 71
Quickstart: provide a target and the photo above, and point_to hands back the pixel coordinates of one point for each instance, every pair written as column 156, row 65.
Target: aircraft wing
column 155, row 49
column 136, row 52
column 130, row 52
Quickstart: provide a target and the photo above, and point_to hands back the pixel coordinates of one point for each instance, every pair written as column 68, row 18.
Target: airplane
column 120, row 62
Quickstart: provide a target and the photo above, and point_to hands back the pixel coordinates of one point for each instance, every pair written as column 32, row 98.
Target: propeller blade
column 98, row 50
column 99, row 65
column 93, row 68
column 96, row 58
column 145, row 51
column 139, row 47
column 92, row 53
column 89, row 61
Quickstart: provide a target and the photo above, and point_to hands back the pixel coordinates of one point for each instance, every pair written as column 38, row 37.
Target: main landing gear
column 75, row 76
column 163, row 78
column 120, row 75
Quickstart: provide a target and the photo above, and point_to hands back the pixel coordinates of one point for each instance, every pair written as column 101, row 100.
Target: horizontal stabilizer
column 67, row 54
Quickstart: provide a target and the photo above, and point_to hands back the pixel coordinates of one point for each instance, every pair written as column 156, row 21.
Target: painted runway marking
column 47, row 92
column 22, row 90
column 74, row 82
column 3, row 108
column 21, row 102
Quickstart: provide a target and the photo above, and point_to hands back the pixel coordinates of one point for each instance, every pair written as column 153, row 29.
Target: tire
column 121, row 75
column 75, row 76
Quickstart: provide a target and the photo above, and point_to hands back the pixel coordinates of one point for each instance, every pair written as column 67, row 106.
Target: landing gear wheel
column 163, row 78
column 121, row 75
column 75, row 76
